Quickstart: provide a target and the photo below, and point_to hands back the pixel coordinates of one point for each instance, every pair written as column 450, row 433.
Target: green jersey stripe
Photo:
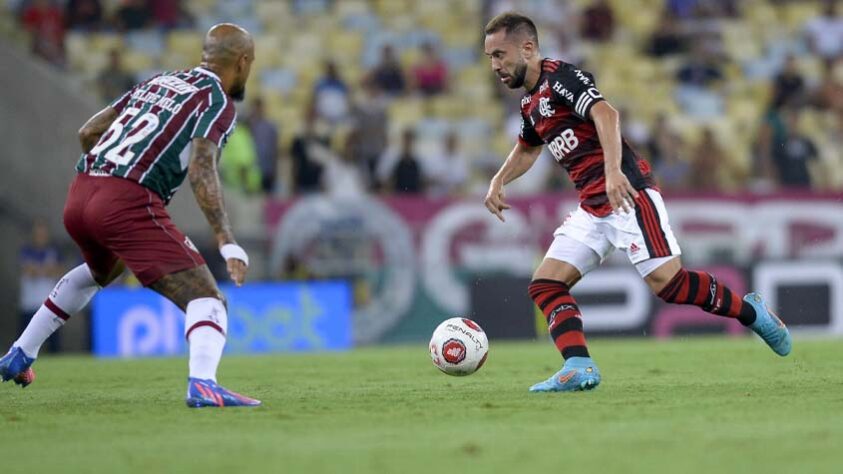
column 216, row 107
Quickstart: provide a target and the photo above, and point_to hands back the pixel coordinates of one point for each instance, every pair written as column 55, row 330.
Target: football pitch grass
column 692, row 405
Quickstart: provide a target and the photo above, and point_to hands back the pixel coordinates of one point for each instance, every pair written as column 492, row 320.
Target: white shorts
column 585, row 240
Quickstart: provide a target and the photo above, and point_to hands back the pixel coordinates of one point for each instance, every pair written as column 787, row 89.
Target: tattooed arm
column 205, row 181
column 93, row 129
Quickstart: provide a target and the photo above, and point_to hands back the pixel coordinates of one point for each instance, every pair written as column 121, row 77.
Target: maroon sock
column 562, row 314
column 703, row 290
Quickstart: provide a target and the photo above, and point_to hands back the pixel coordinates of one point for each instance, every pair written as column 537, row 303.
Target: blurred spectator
column 673, row 170
column 343, row 176
column 701, row 69
column 40, row 269
column 84, row 15
column 132, row 15
column 788, row 86
column 564, row 44
column 791, row 158
column 681, row 8
column 387, row 74
column 307, row 171
column 114, row 81
column 401, row 167
column 668, row 37
column 239, row 162
column 709, row 164
column 447, row 172
column 830, row 152
column 698, row 93
column 825, row 33
column 371, row 122
column 430, row 74
column 634, row 131
column 659, row 144
column 716, row 9
column 829, row 93
column 265, row 135
column 703, row 8
column 169, row 14
column 330, row 95
column 598, row 22
column 44, row 21
column 771, row 133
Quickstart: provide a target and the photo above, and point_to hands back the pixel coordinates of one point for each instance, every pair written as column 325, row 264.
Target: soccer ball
column 459, row 346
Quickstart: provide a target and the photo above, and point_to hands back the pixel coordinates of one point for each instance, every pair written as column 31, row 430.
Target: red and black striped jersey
column 149, row 141
column 557, row 113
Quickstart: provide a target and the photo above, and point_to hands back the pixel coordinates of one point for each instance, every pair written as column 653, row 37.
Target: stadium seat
column 405, row 112
column 345, row 44
column 151, row 42
column 795, row 14
column 184, row 42
column 281, row 80
column 352, row 7
column 138, row 60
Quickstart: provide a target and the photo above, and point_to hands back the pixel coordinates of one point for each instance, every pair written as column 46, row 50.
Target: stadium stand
column 295, row 38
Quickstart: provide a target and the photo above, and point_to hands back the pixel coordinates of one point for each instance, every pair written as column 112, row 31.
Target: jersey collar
column 207, row 72
column 539, row 81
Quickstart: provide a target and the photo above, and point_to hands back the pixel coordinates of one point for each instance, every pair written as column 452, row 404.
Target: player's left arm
column 205, row 181
column 93, row 129
column 618, row 188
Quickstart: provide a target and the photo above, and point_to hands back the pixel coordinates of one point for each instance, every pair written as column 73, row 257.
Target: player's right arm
column 205, row 182
column 520, row 159
column 93, row 129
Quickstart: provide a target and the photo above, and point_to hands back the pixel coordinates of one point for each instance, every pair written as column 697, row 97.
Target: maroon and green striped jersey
column 158, row 118
column 557, row 113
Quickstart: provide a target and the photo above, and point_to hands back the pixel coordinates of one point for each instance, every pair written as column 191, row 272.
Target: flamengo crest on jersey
column 557, row 113
column 149, row 141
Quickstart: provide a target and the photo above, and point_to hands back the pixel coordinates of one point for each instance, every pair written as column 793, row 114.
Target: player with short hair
column 136, row 153
column 620, row 205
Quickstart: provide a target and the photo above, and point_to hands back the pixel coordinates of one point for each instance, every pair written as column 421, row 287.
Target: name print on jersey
column 172, row 83
column 167, row 103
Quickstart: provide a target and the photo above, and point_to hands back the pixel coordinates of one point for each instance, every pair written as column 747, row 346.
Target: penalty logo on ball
column 453, row 351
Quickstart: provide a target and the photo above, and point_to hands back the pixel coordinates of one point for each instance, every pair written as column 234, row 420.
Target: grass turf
column 698, row 405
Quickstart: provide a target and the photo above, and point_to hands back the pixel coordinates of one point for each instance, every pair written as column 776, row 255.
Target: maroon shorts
column 115, row 219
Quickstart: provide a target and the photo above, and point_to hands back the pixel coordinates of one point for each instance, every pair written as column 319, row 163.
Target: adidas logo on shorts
column 189, row 244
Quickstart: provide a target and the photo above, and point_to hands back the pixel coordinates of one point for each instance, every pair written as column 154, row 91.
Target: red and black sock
column 703, row 290
column 562, row 314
